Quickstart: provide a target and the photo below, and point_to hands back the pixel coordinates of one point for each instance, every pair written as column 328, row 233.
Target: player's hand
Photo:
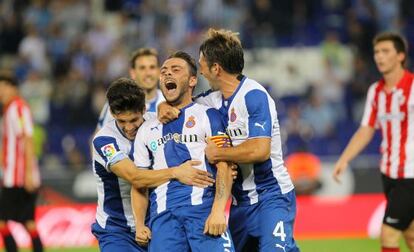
column 234, row 170
column 215, row 224
column 143, row 235
column 187, row 174
column 212, row 151
column 340, row 167
column 29, row 185
column 167, row 113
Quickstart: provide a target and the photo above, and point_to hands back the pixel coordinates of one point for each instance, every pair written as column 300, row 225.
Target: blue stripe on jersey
column 101, row 141
column 216, row 123
column 112, row 202
column 175, row 155
column 153, row 106
column 264, row 179
column 260, row 121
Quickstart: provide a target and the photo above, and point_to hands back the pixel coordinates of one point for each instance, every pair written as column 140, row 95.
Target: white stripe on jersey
column 101, row 216
column 395, row 140
column 409, row 146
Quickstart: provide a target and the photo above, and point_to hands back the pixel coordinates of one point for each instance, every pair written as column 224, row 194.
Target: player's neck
column 393, row 77
column 184, row 102
column 150, row 94
column 11, row 95
column 229, row 84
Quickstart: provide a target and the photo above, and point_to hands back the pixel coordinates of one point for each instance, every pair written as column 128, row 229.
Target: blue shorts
column 270, row 221
column 181, row 229
column 110, row 241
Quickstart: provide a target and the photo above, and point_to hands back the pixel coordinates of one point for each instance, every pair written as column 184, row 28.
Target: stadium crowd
column 65, row 53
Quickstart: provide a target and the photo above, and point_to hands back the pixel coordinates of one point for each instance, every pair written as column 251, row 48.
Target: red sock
column 383, row 249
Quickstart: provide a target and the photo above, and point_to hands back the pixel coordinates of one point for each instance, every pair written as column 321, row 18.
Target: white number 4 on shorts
column 279, row 231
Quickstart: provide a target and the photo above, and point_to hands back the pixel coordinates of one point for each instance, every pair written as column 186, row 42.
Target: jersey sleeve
column 217, row 131
column 370, row 116
column 108, row 150
column 259, row 116
column 142, row 155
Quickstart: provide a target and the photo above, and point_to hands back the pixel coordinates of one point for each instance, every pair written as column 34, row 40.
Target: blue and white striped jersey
column 251, row 113
column 106, row 116
column 114, row 212
column 160, row 146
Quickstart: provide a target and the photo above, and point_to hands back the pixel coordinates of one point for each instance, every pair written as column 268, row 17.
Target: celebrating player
column 115, row 172
column 185, row 218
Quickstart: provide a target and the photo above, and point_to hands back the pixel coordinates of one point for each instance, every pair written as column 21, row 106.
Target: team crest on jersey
column 109, row 150
column 233, row 115
column 190, row 122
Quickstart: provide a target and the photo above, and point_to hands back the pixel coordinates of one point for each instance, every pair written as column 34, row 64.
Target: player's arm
column 143, row 178
column 216, row 223
column 250, row 151
column 25, row 126
column 139, row 203
column 359, row 140
column 166, row 112
column 29, row 162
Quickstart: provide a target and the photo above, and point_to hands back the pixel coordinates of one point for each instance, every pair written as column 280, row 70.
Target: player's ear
column 193, row 81
column 132, row 73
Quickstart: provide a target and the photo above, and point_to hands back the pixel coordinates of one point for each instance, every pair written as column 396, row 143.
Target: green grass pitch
column 342, row 245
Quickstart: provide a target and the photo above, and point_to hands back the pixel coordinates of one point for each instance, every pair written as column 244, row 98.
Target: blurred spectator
column 33, row 47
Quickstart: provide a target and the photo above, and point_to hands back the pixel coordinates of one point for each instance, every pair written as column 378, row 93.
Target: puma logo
column 260, row 125
column 282, row 247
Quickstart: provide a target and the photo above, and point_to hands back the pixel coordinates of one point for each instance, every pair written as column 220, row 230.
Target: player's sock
column 36, row 242
column 384, row 249
column 8, row 240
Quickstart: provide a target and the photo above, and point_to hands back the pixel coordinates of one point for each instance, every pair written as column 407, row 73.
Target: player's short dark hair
column 142, row 52
column 124, row 95
column 8, row 78
column 224, row 48
column 187, row 58
column 399, row 42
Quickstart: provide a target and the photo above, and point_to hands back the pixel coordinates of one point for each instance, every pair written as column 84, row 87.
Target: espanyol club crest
column 190, row 122
column 233, row 115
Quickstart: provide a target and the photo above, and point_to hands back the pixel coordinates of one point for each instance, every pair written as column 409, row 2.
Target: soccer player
column 389, row 107
column 21, row 179
column 264, row 201
column 182, row 217
column 115, row 171
column 144, row 69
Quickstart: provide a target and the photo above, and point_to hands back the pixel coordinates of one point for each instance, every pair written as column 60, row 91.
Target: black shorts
column 17, row 204
column 399, row 212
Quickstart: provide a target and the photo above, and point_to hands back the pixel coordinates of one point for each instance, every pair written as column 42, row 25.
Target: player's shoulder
column 108, row 130
column 250, row 85
column 150, row 122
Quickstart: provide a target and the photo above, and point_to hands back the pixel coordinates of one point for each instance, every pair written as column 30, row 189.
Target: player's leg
column 168, row 234
column 110, row 241
column 276, row 217
column 398, row 213
column 27, row 215
column 409, row 236
column 239, row 219
column 7, row 207
column 194, row 218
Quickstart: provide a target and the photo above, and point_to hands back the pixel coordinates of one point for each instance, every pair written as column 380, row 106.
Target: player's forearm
column 358, row 142
column 151, row 178
column 139, row 202
column 29, row 155
column 250, row 151
column 224, row 182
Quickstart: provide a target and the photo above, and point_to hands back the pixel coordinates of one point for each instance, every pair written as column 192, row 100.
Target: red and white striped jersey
column 393, row 112
column 17, row 123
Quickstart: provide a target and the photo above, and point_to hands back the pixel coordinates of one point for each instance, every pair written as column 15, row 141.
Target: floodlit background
column 313, row 56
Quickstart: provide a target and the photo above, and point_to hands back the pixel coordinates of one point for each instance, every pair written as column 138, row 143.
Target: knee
column 390, row 236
